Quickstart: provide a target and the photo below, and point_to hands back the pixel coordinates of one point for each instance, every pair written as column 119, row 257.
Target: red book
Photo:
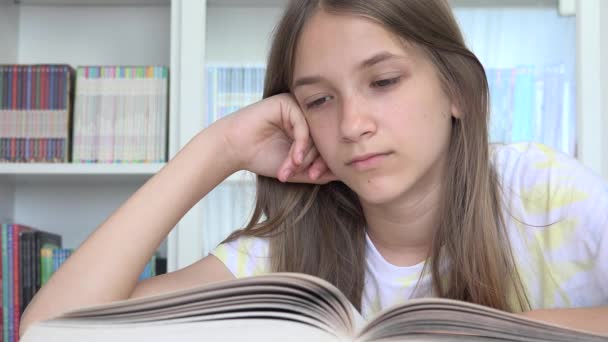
column 15, row 87
column 13, row 142
column 43, row 87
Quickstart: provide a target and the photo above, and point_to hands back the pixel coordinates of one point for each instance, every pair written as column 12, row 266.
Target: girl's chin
column 374, row 193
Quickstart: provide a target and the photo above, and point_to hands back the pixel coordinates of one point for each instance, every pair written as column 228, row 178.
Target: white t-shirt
column 561, row 251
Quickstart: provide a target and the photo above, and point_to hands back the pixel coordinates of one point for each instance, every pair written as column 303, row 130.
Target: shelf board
column 95, row 2
column 211, row 3
column 273, row 3
column 79, row 169
column 77, row 173
column 247, row 3
column 90, row 173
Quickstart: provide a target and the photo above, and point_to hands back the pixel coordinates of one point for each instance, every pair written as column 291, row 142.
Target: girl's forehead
column 329, row 38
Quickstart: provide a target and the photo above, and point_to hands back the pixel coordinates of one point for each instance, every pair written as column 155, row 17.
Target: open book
column 288, row 307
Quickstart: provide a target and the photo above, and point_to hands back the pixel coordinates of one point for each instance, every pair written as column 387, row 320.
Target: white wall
column 592, row 42
column 62, row 34
column 604, row 76
column 9, row 31
column 541, row 36
column 7, row 192
column 249, row 29
column 45, row 205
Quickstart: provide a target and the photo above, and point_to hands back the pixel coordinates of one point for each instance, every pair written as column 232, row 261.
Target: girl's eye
column 318, row 102
column 386, row 82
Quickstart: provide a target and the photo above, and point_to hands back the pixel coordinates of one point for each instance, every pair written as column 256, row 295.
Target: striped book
column 35, row 113
column 120, row 114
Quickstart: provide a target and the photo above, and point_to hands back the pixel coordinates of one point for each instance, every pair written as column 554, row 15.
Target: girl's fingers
column 297, row 130
column 317, row 168
column 288, row 167
column 310, row 157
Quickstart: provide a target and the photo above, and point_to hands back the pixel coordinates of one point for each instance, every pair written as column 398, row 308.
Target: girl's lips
column 369, row 161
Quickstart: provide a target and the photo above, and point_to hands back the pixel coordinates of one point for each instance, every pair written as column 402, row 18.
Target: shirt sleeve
column 594, row 219
column 601, row 265
column 244, row 257
column 560, row 222
column 584, row 197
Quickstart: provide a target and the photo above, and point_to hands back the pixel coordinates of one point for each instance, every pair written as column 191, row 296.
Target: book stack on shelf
column 29, row 258
column 120, row 114
column 35, row 113
column 22, row 271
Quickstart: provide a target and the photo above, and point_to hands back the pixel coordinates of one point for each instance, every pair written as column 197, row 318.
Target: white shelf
column 77, row 173
column 79, row 169
column 211, row 3
column 95, row 2
column 269, row 3
column 247, row 3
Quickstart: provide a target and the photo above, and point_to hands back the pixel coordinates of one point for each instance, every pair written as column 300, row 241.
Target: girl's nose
column 356, row 120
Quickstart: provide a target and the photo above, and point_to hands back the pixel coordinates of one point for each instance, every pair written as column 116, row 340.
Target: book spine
column 32, row 268
column 16, row 283
column 25, row 268
column 3, row 323
column 11, row 285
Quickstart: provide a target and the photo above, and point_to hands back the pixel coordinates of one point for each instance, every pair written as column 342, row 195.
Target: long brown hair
column 320, row 229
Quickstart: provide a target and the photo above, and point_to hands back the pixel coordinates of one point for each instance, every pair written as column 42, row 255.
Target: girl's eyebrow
column 369, row 62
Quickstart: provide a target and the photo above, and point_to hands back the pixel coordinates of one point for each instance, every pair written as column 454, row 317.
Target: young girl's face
column 364, row 91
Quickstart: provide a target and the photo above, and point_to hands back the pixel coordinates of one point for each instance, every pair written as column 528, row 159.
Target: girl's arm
column 107, row 265
column 589, row 319
column 269, row 138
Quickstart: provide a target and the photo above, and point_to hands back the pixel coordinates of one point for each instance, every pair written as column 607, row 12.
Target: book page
column 277, row 294
column 250, row 330
column 445, row 317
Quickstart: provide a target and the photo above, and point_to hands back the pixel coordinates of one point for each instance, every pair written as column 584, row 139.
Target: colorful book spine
column 5, row 284
column 10, row 302
column 120, row 114
column 35, row 122
column 46, row 264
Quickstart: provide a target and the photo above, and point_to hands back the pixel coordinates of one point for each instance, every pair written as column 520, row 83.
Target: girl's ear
column 456, row 112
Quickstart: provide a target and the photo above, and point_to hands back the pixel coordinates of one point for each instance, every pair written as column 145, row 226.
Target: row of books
column 35, row 113
column 29, row 258
column 94, row 114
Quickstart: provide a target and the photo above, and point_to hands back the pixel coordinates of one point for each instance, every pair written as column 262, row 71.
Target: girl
column 374, row 173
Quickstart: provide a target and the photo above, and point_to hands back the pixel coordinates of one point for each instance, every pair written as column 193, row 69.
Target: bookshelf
column 73, row 199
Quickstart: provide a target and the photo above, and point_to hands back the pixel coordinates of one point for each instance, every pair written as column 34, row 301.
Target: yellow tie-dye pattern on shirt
column 409, row 280
column 536, row 272
column 555, row 236
column 545, row 273
column 243, row 257
column 221, row 253
column 544, row 197
column 551, row 162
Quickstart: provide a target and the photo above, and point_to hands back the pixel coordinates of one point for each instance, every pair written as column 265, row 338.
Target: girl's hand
column 271, row 138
